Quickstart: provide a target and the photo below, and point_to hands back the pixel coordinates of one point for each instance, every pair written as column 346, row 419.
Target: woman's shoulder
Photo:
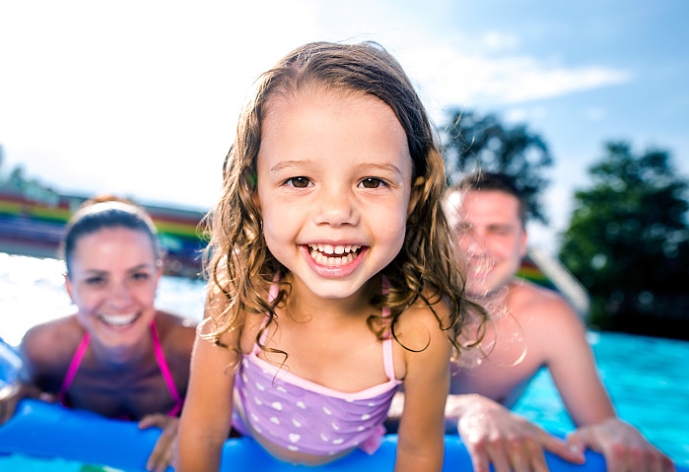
column 166, row 320
column 176, row 333
column 64, row 328
column 52, row 343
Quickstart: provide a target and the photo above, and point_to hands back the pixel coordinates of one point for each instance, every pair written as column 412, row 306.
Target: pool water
column 648, row 382
column 647, row 378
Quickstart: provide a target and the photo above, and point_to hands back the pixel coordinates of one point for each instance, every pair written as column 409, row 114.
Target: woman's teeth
column 326, row 254
column 118, row 320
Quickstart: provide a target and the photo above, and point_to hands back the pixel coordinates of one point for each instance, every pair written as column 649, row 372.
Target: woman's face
column 112, row 281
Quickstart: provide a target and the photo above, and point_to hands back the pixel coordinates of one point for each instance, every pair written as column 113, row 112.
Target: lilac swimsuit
column 303, row 416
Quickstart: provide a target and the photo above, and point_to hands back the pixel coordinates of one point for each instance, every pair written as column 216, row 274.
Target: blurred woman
column 117, row 355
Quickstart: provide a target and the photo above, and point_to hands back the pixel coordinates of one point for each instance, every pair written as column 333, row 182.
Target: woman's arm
column 43, row 353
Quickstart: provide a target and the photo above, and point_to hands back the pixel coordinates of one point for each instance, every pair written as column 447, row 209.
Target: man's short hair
column 496, row 182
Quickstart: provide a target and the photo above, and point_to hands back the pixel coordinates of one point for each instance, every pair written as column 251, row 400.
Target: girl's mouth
column 329, row 255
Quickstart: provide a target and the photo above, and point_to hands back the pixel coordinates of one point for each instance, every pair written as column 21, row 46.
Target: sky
column 141, row 98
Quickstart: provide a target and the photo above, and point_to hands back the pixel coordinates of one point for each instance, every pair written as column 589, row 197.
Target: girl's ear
column 416, row 191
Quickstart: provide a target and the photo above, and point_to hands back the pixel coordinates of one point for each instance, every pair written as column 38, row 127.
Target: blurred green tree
column 473, row 142
column 628, row 243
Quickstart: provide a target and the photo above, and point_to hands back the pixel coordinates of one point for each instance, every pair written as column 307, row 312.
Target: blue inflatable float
column 48, row 431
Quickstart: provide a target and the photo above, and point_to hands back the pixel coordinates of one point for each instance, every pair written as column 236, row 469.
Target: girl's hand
column 494, row 435
column 164, row 450
column 623, row 447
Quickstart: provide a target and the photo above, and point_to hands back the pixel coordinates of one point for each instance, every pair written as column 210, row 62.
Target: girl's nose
column 337, row 208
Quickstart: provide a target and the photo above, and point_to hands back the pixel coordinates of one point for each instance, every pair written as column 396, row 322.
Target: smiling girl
column 332, row 277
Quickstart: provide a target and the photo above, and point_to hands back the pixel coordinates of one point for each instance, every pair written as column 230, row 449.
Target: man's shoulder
column 534, row 301
column 547, row 320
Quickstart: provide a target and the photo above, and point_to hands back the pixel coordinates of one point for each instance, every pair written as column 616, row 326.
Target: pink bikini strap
column 165, row 371
column 73, row 368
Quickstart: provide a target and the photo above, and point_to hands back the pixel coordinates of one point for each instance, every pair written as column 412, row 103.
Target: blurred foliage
column 17, row 181
column 472, row 142
column 628, row 242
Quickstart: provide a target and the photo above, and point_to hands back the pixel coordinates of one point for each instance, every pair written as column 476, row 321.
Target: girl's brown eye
column 371, row 182
column 299, row 182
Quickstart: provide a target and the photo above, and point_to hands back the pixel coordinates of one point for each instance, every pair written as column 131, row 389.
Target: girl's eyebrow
column 287, row 164
column 384, row 167
column 298, row 163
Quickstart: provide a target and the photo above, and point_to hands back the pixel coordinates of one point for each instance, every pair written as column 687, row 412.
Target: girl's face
column 113, row 280
column 334, row 181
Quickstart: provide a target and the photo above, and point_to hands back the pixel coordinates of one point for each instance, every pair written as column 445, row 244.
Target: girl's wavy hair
column 238, row 264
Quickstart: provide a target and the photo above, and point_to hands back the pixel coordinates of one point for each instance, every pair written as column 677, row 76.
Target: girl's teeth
column 330, row 250
column 323, row 258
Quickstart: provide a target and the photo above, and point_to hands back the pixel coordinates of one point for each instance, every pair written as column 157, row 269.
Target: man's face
column 490, row 235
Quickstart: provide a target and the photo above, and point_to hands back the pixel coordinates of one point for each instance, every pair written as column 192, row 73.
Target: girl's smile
column 334, row 261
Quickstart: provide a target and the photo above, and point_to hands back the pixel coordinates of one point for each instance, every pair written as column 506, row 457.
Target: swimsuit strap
column 73, row 368
column 387, row 342
column 165, row 371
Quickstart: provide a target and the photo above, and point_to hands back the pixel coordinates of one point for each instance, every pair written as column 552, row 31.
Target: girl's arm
column 207, row 414
column 426, row 385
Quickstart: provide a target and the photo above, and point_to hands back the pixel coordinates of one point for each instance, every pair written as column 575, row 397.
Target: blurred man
column 531, row 327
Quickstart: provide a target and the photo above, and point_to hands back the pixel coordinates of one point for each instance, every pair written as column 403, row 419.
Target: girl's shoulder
column 421, row 333
column 427, row 315
column 431, row 305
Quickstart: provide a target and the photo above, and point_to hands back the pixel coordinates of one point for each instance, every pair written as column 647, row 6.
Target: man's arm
column 572, row 366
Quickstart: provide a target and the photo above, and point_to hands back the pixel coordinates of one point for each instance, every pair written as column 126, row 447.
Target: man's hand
column 623, row 447
column 164, row 450
column 494, row 435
